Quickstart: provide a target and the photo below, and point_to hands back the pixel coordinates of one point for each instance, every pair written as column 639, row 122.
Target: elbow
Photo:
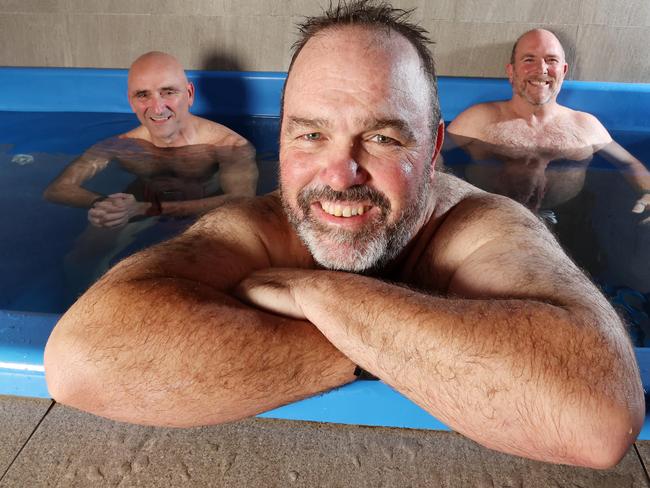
column 611, row 439
column 57, row 372
column 67, row 380
column 49, row 194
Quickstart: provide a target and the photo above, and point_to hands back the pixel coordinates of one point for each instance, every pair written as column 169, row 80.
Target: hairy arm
column 161, row 340
column 522, row 354
column 66, row 189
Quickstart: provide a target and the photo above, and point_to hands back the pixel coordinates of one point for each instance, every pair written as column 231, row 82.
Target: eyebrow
column 301, row 123
column 371, row 124
column 397, row 124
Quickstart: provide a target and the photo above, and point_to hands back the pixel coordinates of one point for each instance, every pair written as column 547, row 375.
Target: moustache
column 357, row 193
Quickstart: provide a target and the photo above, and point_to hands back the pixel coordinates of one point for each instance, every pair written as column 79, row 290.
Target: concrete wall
column 473, row 37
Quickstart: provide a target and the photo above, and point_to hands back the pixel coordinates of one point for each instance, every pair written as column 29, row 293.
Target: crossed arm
column 531, row 360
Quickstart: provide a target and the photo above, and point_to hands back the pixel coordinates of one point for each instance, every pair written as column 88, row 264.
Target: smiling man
column 532, row 128
column 367, row 258
column 180, row 160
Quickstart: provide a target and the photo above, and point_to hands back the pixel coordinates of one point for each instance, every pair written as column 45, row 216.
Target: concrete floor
column 43, row 444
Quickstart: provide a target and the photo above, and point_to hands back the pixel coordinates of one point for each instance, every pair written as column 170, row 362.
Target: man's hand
column 642, row 205
column 116, row 210
column 274, row 290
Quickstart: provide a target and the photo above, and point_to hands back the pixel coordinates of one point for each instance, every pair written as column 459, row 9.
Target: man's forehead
column 536, row 40
column 346, row 44
column 341, row 55
column 155, row 80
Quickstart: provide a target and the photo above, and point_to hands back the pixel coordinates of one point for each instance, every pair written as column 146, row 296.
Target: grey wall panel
column 605, row 40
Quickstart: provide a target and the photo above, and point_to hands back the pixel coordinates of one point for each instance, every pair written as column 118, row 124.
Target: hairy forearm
column 174, row 352
column 521, row 376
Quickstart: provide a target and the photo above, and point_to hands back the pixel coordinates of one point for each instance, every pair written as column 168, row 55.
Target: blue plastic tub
column 71, row 93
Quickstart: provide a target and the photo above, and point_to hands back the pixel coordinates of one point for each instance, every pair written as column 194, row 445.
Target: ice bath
column 38, row 105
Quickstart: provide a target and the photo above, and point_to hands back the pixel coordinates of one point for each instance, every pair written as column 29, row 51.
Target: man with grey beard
column 498, row 334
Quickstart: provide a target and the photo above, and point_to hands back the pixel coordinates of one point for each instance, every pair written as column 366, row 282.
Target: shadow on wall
column 230, row 96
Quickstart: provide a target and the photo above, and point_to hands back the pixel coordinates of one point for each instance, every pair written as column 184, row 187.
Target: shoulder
column 211, row 132
column 470, row 123
column 589, row 124
column 140, row 132
column 472, row 220
column 104, row 149
column 253, row 223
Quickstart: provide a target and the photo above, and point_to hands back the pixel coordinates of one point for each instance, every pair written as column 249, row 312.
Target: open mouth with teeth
column 160, row 118
column 539, row 83
column 343, row 210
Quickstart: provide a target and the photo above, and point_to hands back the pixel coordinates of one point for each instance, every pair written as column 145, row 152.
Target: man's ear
column 509, row 71
column 190, row 92
column 566, row 68
column 440, row 137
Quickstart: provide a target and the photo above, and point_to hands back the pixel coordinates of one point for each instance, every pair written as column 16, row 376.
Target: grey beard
column 368, row 250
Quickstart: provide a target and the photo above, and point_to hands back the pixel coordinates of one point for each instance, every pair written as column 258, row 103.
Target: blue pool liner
column 258, row 93
column 23, row 334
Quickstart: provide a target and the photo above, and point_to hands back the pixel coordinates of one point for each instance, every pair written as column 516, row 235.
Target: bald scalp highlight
column 513, row 53
column 157, row 57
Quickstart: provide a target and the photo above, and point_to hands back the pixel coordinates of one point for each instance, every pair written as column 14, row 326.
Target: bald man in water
column 532, row 128
column 180, row 159
column 366, row 259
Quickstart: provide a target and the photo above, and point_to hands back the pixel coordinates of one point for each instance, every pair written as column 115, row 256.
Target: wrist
column 100, row 198
column 154, row 209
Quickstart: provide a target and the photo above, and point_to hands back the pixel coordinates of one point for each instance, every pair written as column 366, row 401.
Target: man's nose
column 341, row 168
column 157, row 104
column 542, row 66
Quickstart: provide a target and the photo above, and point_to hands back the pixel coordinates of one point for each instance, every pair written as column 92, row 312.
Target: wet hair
column 514, row 46
column 374, row 14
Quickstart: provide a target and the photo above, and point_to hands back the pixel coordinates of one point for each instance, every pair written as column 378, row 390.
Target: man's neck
column 533, row 114
column 185, row 136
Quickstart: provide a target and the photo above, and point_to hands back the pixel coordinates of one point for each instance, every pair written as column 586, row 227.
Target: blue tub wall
column 23, row 334
column 258, row 93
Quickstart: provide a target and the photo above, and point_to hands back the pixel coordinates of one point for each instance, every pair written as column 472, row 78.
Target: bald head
column 156, row 61
column 160, row 95
column 541, row 34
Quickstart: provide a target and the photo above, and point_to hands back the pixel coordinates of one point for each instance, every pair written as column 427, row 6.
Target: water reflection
column 541, row 178
column 594, row 198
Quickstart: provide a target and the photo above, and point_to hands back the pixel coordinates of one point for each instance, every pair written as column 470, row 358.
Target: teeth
column 342, row 211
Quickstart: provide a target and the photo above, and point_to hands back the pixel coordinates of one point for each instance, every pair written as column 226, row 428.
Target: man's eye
column 312, row 136
column 382, row 139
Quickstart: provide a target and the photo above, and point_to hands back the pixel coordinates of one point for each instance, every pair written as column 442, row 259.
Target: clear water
column 44, row 246
column 49, row 252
